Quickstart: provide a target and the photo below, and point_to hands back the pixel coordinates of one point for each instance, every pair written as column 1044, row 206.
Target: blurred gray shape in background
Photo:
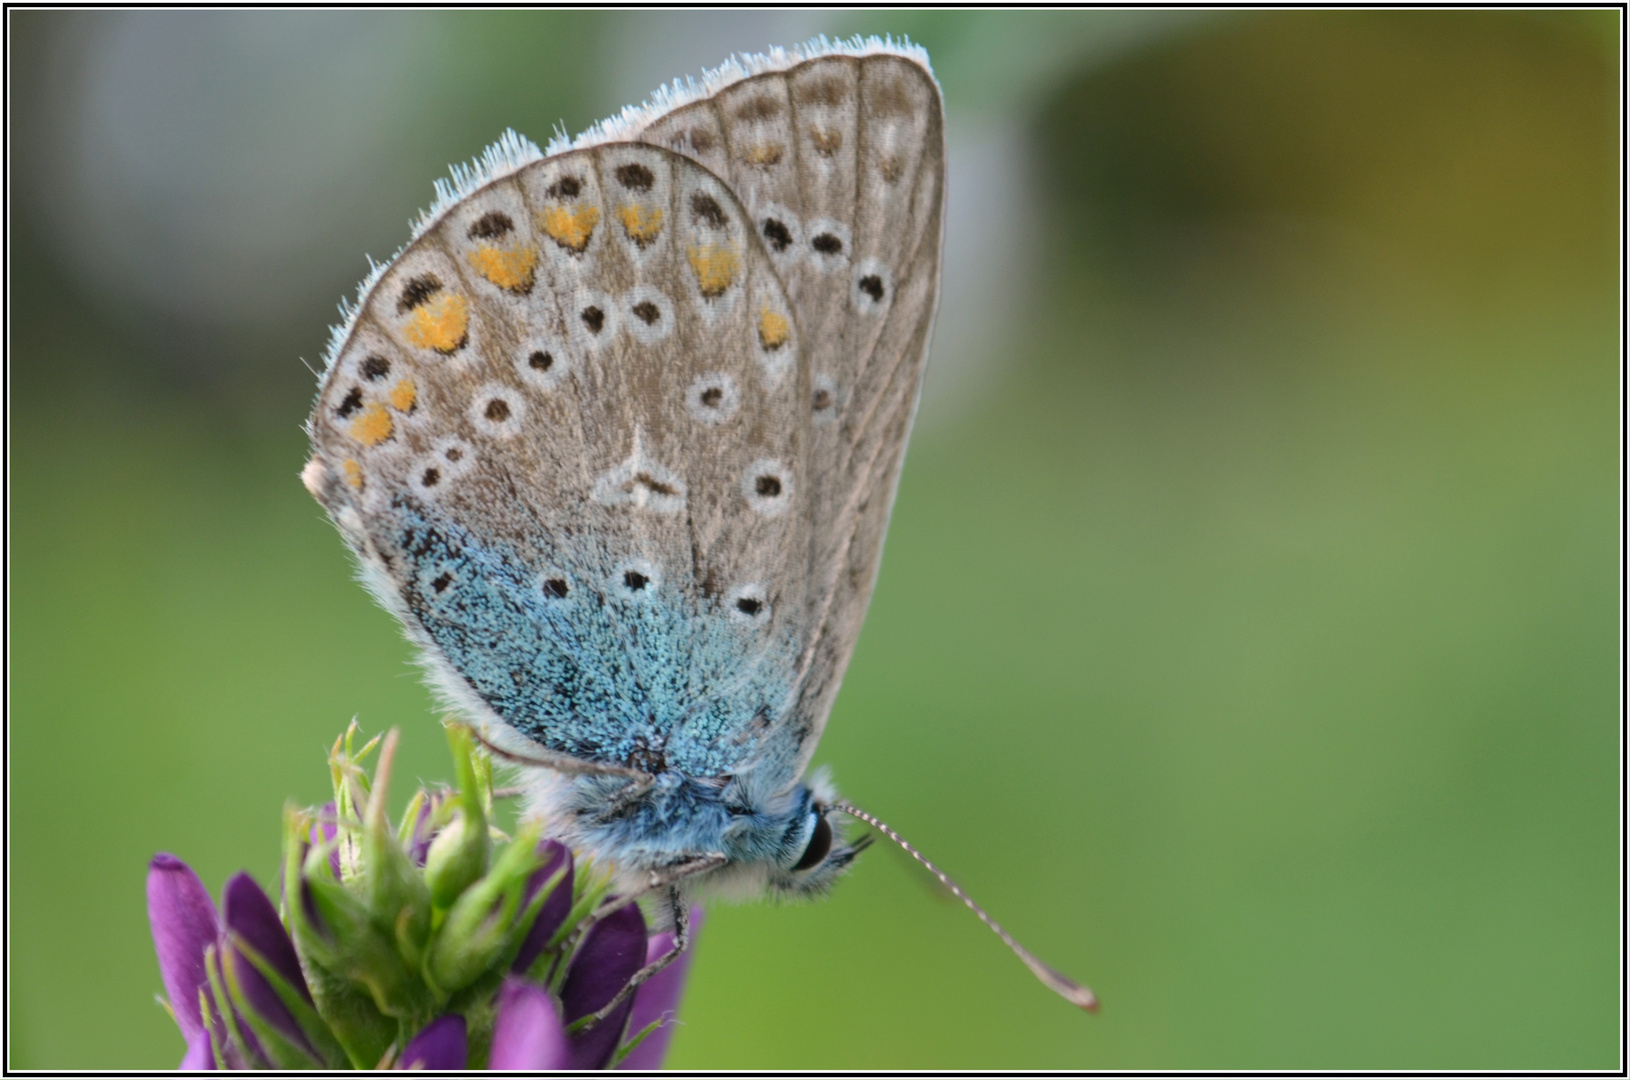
column 200, row 164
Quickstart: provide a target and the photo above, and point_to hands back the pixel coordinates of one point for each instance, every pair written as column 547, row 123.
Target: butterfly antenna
column 1068, row 989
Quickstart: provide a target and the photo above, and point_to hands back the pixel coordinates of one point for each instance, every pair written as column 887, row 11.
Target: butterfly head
column 787, row 844
column 813, row 851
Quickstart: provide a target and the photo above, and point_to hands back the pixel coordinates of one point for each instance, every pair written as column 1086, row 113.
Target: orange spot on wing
column 715, row 268
column 372, row 426
column 643, row 224
column 403, row 395
column 510, row 270
column 767, row 154
column 353, row 472
column 441, row 323
column 773, row 329
column 827, row 142
column 571, row 227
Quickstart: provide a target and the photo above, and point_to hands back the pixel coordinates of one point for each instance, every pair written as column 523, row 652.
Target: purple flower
column 184, row 925
column 440, row 1045
column 227, row 975
column 487, row 966
column 657, row 1000
column 607, row 959
column 555, row 908
column 528, row 1034
column 257, row 951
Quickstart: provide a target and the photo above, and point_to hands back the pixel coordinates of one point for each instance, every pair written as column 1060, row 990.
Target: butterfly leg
column 630, row 795
column 659, row 879
column 679, row 911
column 539, row 757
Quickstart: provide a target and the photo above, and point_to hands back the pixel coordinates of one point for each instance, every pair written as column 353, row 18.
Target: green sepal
column 484, row 926
column 281, row 1052
column 223, row 1008
column 410, row 816
column 364, row 1009
column 395, row 891
column 363, row 1032
column 351, row 945
column 311, row 1023
column 352, row 789
column 478, row 1004
column 480, row 773
column 628, row 1047
column 207, row 1010
column 589, row 889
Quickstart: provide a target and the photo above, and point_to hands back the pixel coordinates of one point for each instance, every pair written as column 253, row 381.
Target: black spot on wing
column 635, row 177
column 705, row 210
column 492, row 225
column 475, row 604
column 777, row 235
column 417, row 291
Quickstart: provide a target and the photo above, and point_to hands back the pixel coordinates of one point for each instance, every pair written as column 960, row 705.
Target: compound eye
column 820, row 845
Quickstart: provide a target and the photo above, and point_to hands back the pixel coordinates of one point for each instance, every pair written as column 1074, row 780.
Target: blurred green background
column 1247, row 638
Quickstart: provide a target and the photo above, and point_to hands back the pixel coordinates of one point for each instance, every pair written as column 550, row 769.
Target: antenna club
column 1066, row 988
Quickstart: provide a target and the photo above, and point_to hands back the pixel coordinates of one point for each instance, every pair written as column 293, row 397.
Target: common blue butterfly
column 616, row 437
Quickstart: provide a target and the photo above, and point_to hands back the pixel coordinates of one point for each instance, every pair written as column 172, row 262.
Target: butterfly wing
column 840, row 161
column 566, row 436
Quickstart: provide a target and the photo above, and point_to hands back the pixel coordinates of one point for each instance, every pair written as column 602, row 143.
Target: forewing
column 568, row 438
column 840, row 161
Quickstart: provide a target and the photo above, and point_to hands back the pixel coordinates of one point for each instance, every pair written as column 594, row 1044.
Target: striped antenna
column 1068, row 989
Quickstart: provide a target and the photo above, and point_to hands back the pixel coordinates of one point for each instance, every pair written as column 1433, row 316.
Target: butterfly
column 616, row 437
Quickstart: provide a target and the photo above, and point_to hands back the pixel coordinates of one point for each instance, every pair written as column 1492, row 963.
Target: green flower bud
column 335, row 931
column 402, row 945
column 396, row 893
column 459, row 855
column 484, row 926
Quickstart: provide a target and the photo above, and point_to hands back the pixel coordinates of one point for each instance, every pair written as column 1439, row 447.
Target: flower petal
column 439, row 1045
column 248, row 913
column 551, row 852
column 658, row 999
column 184, row 925
column 260, row 1003
column 200, row 1056
column 612, row 953
column 251, row 922
column 419, row 844
column 527, row 1034
column 324, row 831
column 554, row 909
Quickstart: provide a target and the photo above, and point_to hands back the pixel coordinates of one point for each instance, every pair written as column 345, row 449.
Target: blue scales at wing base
column 658, row 682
